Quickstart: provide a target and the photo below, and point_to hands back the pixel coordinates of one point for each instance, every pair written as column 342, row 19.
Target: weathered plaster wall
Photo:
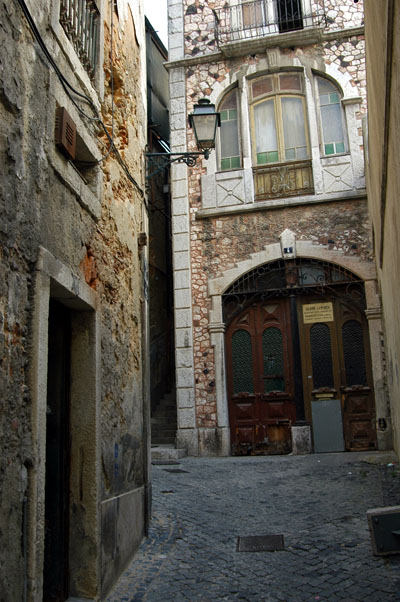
column 93, row 230
column 383, row 177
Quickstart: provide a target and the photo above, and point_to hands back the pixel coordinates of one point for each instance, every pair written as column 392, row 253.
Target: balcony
column 260, row 18
column 283, row 180
column 80, row 20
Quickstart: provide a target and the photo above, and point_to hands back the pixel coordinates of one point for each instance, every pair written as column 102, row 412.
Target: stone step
column 156, row 436
column 164, row 415
column 167, row 452
column 163, row 440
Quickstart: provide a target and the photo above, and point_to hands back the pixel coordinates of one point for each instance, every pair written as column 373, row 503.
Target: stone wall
column 383, row 54
column 91, row 228
column 214, row 239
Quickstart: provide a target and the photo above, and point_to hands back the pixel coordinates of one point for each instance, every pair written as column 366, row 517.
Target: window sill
column 282, row 203
column 69, row 175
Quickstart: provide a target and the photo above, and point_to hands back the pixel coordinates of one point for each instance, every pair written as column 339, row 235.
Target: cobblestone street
column 317, row 502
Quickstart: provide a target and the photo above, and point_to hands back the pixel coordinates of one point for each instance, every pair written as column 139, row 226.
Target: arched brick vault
column 308, row 250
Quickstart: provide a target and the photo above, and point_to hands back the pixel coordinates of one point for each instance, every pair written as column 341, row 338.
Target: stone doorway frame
column 52, row 279
column 307, row 250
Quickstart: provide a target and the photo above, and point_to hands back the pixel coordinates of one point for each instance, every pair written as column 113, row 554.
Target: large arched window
column 278, row 117
column 229, row 155
column 331, row 117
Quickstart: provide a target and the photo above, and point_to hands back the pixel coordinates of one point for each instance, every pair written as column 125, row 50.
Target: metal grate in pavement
column 260, row 543
column 175, row 470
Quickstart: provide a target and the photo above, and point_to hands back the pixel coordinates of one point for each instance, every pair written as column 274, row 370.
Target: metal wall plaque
column 317, row 312
column 260, row 543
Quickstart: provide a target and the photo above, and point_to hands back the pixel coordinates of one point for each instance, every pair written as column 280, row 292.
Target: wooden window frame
column 219, row 145
column 320, row 121
column 276, row 94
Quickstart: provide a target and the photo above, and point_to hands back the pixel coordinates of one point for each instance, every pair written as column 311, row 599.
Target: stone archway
column 365, row 271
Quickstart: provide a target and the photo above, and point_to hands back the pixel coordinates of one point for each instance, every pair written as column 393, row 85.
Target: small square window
column 329, row 149
column 224, row 115
column 225, row 163
column 340, row 147
column 235, row 162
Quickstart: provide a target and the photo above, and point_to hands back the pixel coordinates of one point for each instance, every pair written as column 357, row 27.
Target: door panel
column 336, row 365
column 261, row 405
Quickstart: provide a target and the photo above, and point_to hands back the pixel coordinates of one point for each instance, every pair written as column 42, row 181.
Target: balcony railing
column 80, row 20
column 260, row 18
column 287, row 179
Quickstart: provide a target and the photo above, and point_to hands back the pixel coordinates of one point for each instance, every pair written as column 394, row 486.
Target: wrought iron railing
column 286, row 179
column 80, row 20
column 263, row 17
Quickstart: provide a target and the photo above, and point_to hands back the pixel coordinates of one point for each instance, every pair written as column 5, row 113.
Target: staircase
column 163, row 430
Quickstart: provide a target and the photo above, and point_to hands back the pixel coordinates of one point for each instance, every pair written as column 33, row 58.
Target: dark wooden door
column 336, row 365
column 55, row 577
column 260, row 383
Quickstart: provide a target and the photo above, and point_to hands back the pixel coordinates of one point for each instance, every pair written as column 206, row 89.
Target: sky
column 156, row 12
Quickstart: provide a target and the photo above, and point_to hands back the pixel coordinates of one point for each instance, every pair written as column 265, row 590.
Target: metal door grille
column 321, row 356
column 354, row 353
column 242, row 362
column 273, row 360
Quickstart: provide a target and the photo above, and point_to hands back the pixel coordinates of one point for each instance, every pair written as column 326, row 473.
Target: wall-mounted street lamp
column 204, row 121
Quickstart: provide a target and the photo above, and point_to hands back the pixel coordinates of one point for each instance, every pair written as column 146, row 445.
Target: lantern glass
column 204, row 121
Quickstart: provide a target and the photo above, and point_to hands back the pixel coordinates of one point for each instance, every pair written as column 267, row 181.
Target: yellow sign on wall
column 317, row 312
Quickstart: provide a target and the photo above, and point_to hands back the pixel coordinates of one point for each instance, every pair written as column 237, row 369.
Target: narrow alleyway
column 317, row 502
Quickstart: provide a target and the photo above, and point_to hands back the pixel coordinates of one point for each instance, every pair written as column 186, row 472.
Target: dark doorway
column 55, row 586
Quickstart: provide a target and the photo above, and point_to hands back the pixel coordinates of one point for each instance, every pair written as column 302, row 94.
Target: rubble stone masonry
column 219, row 240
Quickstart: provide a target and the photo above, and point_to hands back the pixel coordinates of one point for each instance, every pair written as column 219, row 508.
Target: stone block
column 183, row 299
column 182, row 279
column 183, row 337
column 186, row 418
column 184, row 398
column 187, row 439
column 301, row 440
column 181, row 260
column 183, row 318
column 184, row 358
column 180, row 206
column 184, row 377
column 180, row 224
column 181, row 242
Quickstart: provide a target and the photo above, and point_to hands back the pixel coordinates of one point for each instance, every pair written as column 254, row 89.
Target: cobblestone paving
column 317, row 502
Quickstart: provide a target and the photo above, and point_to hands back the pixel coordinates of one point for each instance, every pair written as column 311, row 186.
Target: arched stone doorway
column 297, row 349
column 363, row 272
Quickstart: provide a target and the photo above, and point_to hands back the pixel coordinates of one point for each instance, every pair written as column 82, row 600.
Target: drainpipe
column 143, row 254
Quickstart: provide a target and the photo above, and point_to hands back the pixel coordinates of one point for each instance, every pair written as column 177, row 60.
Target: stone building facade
column 382, row 169
column 274, row 279
column 74, row 476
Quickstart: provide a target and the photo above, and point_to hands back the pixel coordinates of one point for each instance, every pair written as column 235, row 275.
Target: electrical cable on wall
column 70, row 91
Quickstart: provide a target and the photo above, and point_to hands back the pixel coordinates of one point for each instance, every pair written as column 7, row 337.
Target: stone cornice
column 282, row 203
column 259, row 45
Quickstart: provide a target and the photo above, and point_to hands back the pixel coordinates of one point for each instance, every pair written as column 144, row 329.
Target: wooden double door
column 327, row 349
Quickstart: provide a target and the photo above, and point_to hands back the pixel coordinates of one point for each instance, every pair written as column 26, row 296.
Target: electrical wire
column 70, row 90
